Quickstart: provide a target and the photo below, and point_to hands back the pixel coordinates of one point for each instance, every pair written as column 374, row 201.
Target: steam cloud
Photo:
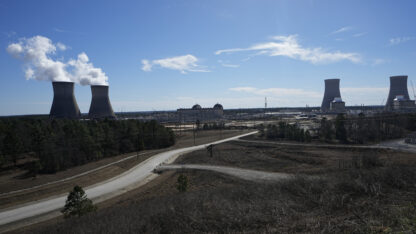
column 36, row 54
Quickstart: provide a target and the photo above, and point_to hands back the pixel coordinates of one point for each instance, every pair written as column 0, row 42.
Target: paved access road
column 139, row 174
column 245, row 174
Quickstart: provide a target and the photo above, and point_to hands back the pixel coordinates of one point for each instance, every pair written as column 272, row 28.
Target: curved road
column 128, row 180
column 245, row 174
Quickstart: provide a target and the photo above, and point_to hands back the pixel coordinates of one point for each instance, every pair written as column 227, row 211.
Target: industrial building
column 398, row 95
column 332, row 101
column 64, row 104
column 400, row 103
column 337, row 105
column 100, row 103
column 202, row 114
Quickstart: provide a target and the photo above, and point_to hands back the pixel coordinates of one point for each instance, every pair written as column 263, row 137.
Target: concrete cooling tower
column 398, row 87
column 100, row 103
column 64, row 104
column 331, row 92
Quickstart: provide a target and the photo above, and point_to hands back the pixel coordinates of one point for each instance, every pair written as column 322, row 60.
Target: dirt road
column 245, row 174
column 132, row 178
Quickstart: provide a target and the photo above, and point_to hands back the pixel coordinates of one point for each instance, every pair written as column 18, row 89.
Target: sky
column 164, row 55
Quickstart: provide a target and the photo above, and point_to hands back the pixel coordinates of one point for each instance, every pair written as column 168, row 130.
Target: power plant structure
column 64, row 104
column 202, row 114
column 100, row 103
column 332, row 97
column 398, row 91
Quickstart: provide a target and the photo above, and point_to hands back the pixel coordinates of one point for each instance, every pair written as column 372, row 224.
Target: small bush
column 77, row 203
column 371, row 161
column 182, row 183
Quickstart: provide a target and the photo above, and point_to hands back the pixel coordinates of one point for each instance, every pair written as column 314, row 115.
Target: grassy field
column 356, row 191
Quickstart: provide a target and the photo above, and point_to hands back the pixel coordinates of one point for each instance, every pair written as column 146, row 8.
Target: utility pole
column 193, row 128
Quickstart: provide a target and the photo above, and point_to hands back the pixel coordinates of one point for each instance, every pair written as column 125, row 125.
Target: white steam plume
column 36, row 54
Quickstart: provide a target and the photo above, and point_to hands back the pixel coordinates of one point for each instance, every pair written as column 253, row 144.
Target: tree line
column 59, row 144
column 363, row 129
column 359, row 129
column 286, row 131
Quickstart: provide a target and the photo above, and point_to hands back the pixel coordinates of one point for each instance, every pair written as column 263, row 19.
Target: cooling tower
column 64, row 104
column 398, row 86
column 331, row 92
column 100, row 103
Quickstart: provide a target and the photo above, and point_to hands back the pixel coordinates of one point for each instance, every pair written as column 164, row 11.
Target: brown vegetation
column 373, row 191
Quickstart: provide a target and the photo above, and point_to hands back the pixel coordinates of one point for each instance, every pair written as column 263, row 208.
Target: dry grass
column 374, row 193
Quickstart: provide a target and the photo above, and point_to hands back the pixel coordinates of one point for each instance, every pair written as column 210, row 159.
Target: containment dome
column 196, row 107
column 218, row 106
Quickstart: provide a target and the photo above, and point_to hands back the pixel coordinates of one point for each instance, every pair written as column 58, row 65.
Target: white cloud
column 85, row 73
column 37, row 51
column 61, row 46
column 227, row 64
column 146, row 65
column 359, row 34
column 378, row 61
column 343, row 29
column 14, row 49
column 288, row 46
column 184, row 64
column 399, row 40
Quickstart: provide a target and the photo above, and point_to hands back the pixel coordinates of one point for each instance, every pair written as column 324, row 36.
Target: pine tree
column 77, row 203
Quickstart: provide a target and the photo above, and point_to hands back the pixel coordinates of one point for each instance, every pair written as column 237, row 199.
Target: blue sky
column 163, row 55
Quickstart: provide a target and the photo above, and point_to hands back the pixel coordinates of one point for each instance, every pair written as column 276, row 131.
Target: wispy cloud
column 10, row 34
column 228, row 64
column 378, row 61
column 288, row 46
column 59, row 30
column 359, row 34
column 399, row 40
column 184, row 64
column 343, row 29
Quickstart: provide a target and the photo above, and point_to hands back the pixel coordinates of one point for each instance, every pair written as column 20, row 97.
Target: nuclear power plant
column 332, row 97
column 398, row 88
column 202, row 114
column 100, row 103
column 64, row 104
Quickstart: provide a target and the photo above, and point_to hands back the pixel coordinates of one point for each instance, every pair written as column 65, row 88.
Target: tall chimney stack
column 398, row 86
column 64, row 104
column 100, row 103
column 331, row 92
